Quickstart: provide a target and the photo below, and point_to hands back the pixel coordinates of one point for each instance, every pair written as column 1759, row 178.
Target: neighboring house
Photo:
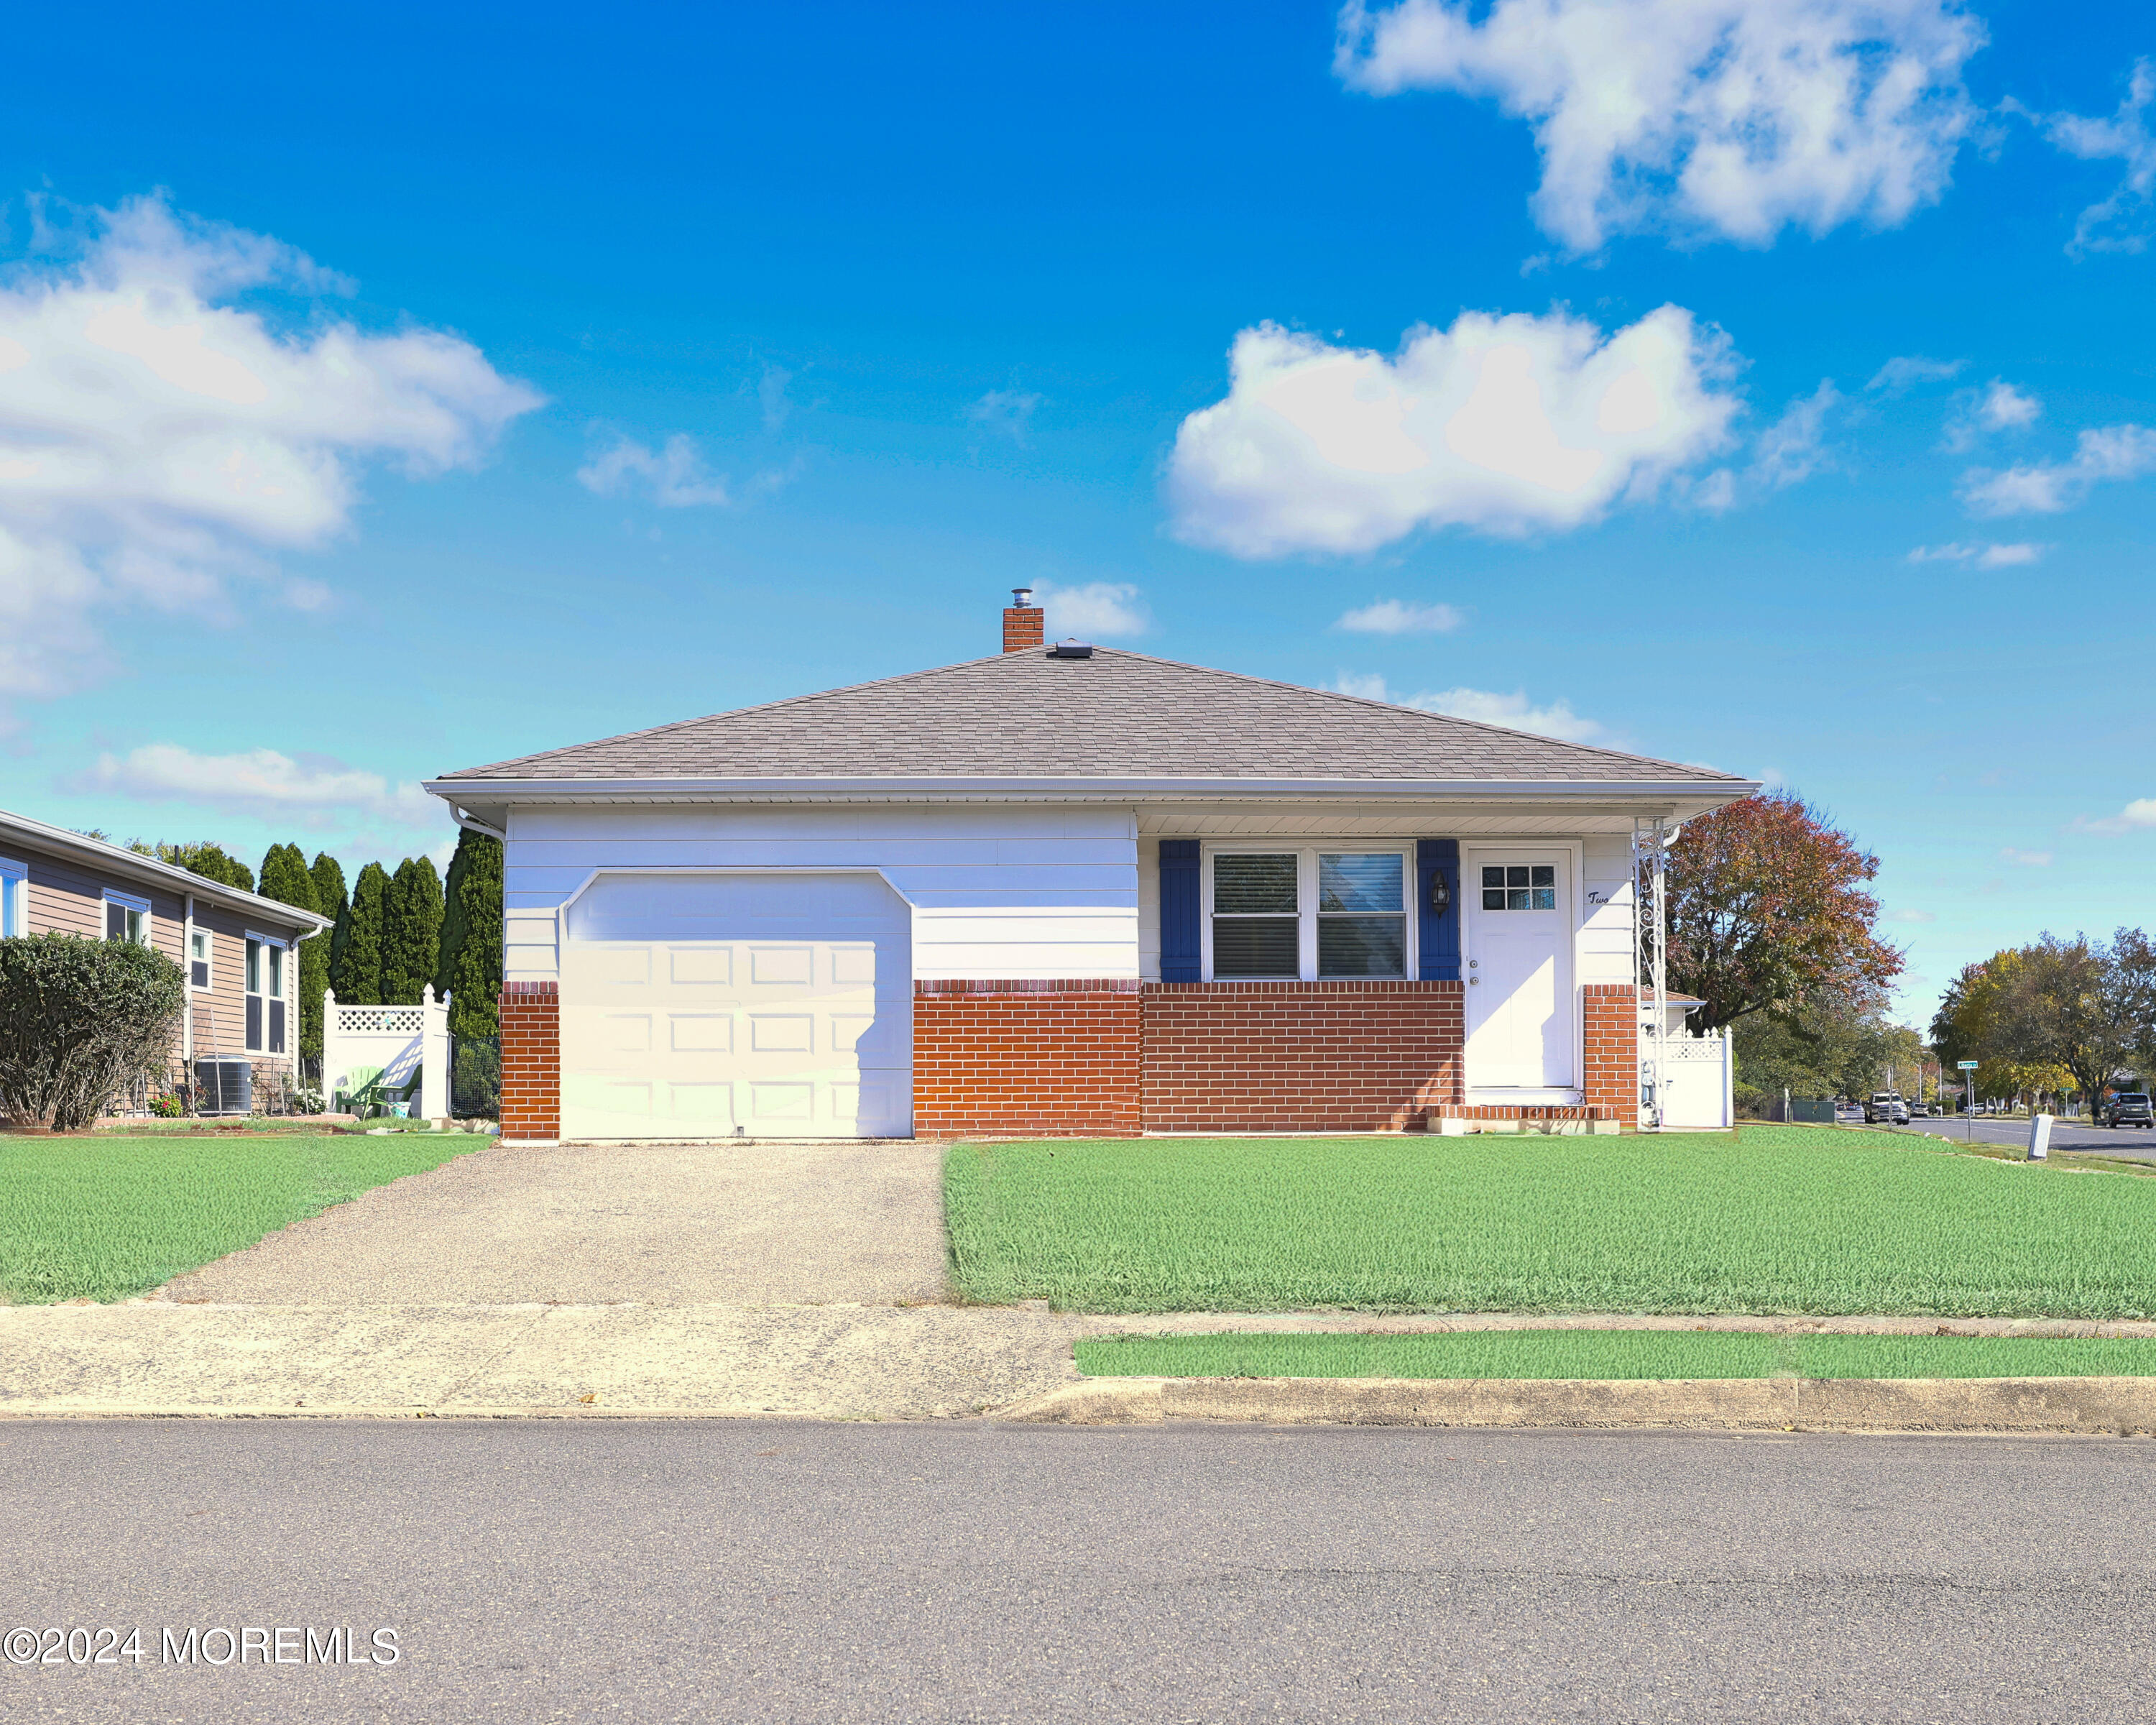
column 238, row 948
column 1066, row 890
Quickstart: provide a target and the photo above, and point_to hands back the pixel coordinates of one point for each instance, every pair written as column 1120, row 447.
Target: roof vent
column 1071, row 650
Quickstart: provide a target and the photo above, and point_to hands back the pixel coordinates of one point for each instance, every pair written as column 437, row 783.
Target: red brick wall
column 530, row 1060
column 1047, row 1057
column 1347, row 1056
column 1024, row 628
column 1610, row 1022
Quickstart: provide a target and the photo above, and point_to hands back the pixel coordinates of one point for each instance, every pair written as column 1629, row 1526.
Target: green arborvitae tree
column 210, row 861
column 332, row 900
column 285, row 878
column 470, row 971
column 411, row 931
column 356, row 964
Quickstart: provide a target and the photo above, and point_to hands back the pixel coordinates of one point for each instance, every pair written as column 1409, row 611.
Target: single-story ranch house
column 1069, row 891
column 238, row 949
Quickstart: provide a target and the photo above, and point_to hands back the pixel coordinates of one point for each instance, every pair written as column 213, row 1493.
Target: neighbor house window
column 1307, row 914
column 198, row 958
column 266, row 968
column 14, row 897
column 126, row 918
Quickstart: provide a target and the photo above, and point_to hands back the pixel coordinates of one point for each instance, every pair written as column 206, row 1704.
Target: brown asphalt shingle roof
column 1117, row 714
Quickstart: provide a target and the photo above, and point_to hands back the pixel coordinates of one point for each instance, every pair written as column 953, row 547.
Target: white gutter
column 116, row 860
column 1073, row 788
column 470, row 824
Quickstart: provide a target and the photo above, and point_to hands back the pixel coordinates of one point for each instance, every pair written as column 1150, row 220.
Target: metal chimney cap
column 1021, row 598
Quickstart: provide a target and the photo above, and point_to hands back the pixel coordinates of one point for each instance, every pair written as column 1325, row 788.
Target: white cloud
column 1906, row 371
column 2026, row 859
column 2137, row 817
column 1910, row 917
column 1091, row 610
column 261, row 782
column 1504, row 425
column 1514, row 711
column 1008, row 413
column 2120, row 222
column 771, row 396
column 1396, row 617
column 1729, row 117
column 1786, row 453
column 2111, row 452
column 675, row 473
column 155, row 442
column 1984, row 556
column 1997, row 406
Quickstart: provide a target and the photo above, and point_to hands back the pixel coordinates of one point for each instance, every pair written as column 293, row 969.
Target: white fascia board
column 554, row 792
column 132, row 864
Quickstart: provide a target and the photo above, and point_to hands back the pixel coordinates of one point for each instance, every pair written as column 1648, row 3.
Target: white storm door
column 1519, row 1030
column 781, row 1007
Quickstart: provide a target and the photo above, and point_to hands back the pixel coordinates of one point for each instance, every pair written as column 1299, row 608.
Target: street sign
column 1966, row 1065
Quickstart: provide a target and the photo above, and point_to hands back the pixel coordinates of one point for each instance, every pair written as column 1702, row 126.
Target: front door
column 1520, row 1034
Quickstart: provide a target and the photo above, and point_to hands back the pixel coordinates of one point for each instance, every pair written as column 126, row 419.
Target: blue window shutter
column 1439, row 958
column 1179, row 911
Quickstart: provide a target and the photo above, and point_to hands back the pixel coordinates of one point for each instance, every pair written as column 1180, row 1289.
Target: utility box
column 224, row 1087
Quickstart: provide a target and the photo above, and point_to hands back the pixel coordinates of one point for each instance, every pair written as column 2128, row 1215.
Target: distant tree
column 411, row 931
column 470, row 970
column 2070, row 1003
column 1831, row 1046
column 210, row 861
column 1767, row 913
column 355, row 966
column 285, row 878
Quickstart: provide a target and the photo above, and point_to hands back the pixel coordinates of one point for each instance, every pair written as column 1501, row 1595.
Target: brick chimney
column 1024, row 625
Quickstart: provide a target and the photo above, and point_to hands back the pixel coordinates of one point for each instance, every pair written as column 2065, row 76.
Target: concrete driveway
column 721, row 1224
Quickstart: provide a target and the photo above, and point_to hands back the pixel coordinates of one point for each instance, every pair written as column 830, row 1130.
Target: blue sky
column 375, row 404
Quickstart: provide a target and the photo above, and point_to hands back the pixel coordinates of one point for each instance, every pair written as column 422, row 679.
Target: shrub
column 80, row 1019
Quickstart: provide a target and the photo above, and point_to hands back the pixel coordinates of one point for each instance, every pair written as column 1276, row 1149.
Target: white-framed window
column 15, row 897
column 1307, row 912
column 127, row 917
column 202, row 952
column 266, row 968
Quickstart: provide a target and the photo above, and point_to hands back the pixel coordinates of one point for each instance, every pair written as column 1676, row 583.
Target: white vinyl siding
column 1605, row 929
column 1008, row 891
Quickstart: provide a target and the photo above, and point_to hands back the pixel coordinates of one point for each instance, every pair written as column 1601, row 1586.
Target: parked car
column 2131, row 1108
column 1886, row 1108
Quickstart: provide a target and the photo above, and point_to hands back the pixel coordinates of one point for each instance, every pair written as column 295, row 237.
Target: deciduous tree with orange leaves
column 1768, row 912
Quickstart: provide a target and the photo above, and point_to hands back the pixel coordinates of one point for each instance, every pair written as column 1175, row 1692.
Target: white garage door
column 776, row 1005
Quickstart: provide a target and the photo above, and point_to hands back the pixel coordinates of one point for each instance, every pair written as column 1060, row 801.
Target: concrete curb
column 2119, row 1407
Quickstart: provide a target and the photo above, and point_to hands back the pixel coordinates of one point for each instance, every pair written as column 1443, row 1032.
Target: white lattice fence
column 387, row 1048
column 1695, row 1082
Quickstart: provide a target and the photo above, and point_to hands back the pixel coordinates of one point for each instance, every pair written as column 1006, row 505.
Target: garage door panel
column 797, row 1021
column 700, row 1032
column 700, row 967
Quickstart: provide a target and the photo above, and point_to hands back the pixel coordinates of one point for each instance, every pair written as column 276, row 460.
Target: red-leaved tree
column 1768, row 911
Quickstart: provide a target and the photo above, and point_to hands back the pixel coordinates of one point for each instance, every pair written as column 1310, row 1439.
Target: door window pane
column 1253, row 885
column 1347, row 882
column 1362, row 946
column 1254, row 947
column 1520, row 886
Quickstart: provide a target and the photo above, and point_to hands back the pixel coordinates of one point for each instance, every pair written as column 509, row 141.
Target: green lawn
column 1778, row 1220
column 1610, row 1353
column 108, row 1216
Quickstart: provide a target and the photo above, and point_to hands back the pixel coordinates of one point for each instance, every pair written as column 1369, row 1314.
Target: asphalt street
column 738, row 1570
column 2134, row 1141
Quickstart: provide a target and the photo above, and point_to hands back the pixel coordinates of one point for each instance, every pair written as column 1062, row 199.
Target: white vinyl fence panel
column 1697, row 1083
column 400, row 1041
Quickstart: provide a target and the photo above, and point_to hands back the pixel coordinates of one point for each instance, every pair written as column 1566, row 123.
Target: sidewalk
column 830, row 1361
